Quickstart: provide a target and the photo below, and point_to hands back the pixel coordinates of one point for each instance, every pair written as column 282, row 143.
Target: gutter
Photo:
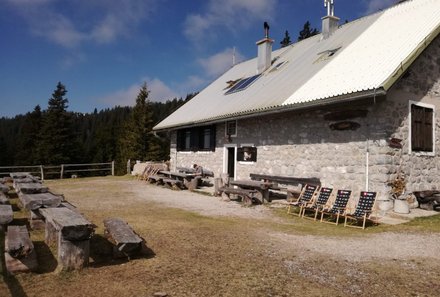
column 278, row 109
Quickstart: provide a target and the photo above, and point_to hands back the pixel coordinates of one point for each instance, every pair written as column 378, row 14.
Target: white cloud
column 217, row 64
column 159, row 91
column 376, row 5
column 97, row 21
column 231, row 14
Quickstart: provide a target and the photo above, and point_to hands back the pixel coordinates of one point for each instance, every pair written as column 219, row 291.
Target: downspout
column 367, row 154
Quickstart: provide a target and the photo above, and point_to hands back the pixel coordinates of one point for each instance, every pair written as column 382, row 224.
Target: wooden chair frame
column 308, row 194
column 364, row 206
column 325, row 195
column 338, row 207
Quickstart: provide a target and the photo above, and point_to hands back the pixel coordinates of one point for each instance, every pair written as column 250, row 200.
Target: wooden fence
column 60, row 171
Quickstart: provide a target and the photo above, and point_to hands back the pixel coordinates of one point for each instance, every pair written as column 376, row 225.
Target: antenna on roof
column 330, row 4
column 233, row 56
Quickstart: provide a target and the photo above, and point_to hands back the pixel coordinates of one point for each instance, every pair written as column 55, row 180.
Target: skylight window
column 243, row 84
column 325, row 55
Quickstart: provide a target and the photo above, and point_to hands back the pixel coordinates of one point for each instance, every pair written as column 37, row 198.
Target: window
column 242, row 84
column 196, row 139
column 247, row 154
column 421, row 128
column 231, row 128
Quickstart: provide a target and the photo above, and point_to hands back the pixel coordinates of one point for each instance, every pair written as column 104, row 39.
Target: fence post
column 128, row 166
column 42, row 172
column 113, row 168
column 62, row 171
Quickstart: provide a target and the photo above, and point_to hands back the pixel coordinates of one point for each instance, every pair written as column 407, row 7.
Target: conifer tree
column 135, row 141
column 57, row 142
column 307, row 32
column 26, row 144
column 286, row 40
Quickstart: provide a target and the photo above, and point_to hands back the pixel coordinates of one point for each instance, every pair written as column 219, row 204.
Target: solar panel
column 243, row 84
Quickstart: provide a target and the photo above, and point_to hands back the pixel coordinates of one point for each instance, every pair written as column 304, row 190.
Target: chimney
column 264, row 51
column 329, row 22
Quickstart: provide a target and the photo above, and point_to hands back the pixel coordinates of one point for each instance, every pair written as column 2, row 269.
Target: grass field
column 198, row 255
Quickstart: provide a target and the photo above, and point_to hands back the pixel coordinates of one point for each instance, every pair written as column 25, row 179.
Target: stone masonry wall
column 301, row 143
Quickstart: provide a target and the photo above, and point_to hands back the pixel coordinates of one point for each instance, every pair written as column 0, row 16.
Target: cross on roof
column 330, row 4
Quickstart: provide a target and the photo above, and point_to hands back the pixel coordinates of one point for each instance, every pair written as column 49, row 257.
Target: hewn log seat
column 6, row 214
column 247, row 195
column 72, row 232
column 35, row 201
column 173, row 183
column 20, row 255
column 155, row 179
column 126, row 243
column 30, row 188
column 3, row 199
column 4, row 188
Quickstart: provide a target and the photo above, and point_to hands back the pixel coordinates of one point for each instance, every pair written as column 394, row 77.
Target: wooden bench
column 4, row 188
column 126, row 243
column 6, row 214
column 247, row 196
column 72, row 232
column 3, row 199
column 175, row 184
column 20, row 255
column 155, row 179
column 36, row 201
column 30, row 188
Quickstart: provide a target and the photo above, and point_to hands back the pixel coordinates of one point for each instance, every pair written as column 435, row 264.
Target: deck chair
column 307, row 195
column 362, row 212
column 337, row 208
column 319, row 203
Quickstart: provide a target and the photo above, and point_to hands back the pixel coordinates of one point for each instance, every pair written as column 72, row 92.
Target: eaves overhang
column 373, row 94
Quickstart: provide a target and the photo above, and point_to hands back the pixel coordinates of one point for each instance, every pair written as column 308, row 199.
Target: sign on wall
column 247, row 154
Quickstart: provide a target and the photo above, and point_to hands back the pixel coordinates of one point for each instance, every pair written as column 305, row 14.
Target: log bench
column 72, row 233
column 36, row 201
column 155, row 179
column 30, row 188
column 247, row 196
column 4, row 188
column 175, row 184
column 126, row 243
column 3, row 199
column 6, row 214
column 20, row 255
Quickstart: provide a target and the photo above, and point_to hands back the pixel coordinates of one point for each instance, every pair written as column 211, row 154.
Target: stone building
column 355, row 106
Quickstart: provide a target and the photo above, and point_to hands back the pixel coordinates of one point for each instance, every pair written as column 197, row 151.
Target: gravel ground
column 386, row 246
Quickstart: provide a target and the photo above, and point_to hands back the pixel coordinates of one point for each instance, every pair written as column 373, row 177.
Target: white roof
column 370, row 54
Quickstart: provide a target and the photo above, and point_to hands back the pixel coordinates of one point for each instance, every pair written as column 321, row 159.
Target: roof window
column 325, row 55
column 242, row 84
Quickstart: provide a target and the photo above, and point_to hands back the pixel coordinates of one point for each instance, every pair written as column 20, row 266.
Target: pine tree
column 286, row 40
column 307, row 32
column 26, row 153
column 134, row 144
column 57, row 141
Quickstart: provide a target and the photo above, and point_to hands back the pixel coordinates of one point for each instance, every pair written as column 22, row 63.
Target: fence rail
column 59, row 170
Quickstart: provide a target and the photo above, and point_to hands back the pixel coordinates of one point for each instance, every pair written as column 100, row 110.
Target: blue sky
column 103, row 50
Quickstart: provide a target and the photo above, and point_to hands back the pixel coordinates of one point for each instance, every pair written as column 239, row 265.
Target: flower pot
column 401, row 206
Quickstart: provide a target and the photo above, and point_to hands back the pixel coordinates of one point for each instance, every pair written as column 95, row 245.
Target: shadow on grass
column 101, row 252
column 46, row 261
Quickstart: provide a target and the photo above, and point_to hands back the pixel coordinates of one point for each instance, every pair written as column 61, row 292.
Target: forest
column 55, row 135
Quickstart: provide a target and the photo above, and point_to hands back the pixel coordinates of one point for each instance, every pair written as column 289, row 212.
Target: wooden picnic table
column 190, row 180
column 261, row 186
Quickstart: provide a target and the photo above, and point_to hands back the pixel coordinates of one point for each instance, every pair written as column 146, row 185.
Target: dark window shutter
column 212, row 139
column 180, row 140
column 421, row 129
